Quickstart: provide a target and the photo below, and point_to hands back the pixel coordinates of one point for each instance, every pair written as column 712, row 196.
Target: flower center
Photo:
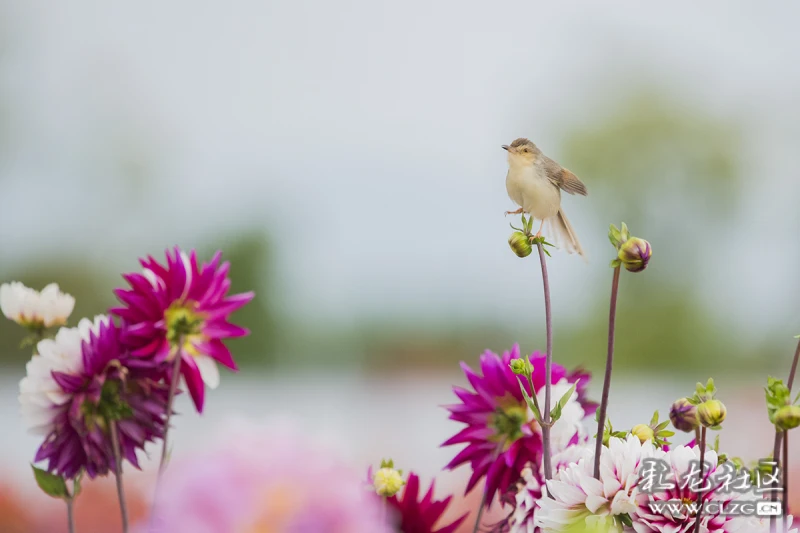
column 508, row 423
column 111, row 406
column 183, row 322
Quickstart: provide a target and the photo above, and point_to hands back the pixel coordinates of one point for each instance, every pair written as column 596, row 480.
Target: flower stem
column 533, row 393
column 118, row 474
column 480, row 512
column 173, row 386
column 702, row 473
column 70, row 518
column 548, row 467
column 786, row 473
column 601, row 417
column 779, row 435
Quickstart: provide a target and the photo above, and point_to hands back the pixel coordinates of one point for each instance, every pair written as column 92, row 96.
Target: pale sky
column 365, row 137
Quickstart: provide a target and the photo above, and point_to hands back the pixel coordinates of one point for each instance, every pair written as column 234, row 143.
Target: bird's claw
column 534, row 237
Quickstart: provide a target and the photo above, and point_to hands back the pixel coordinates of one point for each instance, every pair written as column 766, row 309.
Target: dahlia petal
column 208, row 370
column 469, row 434
column 223, row 330
column 216, row 349
column 229, row 305
column 67, row 382
column 194, row 381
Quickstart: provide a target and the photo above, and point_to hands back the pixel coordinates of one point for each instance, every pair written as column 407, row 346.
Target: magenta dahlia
column 182, row 308
column 77, row 388
column 502, row 437
column 421, row 516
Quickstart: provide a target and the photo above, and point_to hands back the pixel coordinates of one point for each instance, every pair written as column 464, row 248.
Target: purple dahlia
column 502, row 436
column 181, row 309
column 77, row 388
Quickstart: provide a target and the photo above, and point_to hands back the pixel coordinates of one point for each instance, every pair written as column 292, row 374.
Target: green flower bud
column 787, row 417
column 521, row 366
column 634, row 254
column 643, row 432
column 683, row 415
column 387, row 482
column 520, row 243
column 711, row 413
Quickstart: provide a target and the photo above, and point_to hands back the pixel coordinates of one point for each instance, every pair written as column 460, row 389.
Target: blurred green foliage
column 92, row 285
column 658, row 165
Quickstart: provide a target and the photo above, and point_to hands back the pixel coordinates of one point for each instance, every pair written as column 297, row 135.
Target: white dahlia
column 40, row 396
column 33, row 309
column 576, row 499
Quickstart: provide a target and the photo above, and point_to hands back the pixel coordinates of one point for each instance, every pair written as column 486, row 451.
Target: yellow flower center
column 184, row 324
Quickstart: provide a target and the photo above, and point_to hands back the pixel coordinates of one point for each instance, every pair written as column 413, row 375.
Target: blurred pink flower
column 258, row 481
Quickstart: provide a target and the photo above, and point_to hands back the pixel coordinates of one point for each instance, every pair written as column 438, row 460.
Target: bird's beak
column 504, row 147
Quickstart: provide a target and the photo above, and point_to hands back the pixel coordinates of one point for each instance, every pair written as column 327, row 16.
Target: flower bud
column 787, row 417
column 634, row 254
column 521, row 367
column 520, row 243
column 711, row 413
column 643, row 432
column 683, row 415
column 387, row 482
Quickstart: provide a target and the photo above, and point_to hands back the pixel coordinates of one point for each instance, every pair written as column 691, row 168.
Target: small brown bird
column 534, row 182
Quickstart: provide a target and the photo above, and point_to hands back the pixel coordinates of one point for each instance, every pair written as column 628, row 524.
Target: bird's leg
column 517, row 212
column 538, row 233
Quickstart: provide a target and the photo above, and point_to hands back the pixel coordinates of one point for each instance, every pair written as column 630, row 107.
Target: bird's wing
column 563, row 178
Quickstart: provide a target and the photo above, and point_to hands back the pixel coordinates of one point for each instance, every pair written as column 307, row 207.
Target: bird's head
column 522, row 152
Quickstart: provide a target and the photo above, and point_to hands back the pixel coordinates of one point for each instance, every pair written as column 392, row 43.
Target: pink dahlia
column 680, row 459
column 421, row 516
column 259, row 480
column 77, row 386
column 502, row 436
column 182, row 308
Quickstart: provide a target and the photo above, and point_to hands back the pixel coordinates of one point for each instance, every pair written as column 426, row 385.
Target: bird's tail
column 562, row 234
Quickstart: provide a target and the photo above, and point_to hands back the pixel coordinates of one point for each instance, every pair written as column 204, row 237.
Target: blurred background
column 346, row 158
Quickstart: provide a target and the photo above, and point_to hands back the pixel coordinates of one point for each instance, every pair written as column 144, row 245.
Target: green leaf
column 529, row 401
column 797, row 337
column 626, row 520
column 616, row 263
column 556, row 413
column 51, row 484
column 567, row 395
column 654, row 420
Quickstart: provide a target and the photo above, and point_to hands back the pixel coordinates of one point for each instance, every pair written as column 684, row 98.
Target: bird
column 534, row 182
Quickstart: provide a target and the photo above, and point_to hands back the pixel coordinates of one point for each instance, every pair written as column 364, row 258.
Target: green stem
column 702, row 468
column 776, row 450
column 601, row 417
column 118, row 474
column 173, row 387
column 548, row 368
column 786, row 475
column 70, row 517
column 480, row 512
